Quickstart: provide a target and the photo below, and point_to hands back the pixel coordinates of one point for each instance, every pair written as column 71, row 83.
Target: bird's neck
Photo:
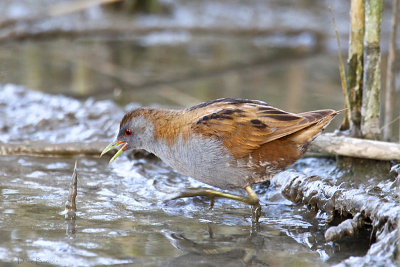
column 164, row 128
column 169, row 125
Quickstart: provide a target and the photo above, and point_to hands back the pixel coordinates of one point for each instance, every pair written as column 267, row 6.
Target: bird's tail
column 319, row 119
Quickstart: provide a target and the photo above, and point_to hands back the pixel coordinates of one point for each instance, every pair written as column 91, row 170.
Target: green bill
column 113, row 145
column 118, row 153
column 109, row 147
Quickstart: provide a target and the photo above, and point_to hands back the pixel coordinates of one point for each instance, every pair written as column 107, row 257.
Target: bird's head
column 134, row 133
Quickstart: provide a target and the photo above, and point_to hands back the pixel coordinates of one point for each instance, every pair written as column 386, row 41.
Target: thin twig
column 70, row 204
column 345, row 124
column 390, row 122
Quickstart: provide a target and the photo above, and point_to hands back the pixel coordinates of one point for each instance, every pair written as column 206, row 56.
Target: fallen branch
column 324, row 143
column 43, row 149
column 134, row 30
column 355, row 147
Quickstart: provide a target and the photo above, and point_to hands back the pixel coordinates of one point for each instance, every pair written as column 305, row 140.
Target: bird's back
column 261, row 138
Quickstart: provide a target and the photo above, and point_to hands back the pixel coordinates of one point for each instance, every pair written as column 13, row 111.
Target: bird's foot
column 211, row 193
column 252, row 198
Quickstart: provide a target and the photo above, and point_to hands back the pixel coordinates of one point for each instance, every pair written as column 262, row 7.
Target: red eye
column 128, row 132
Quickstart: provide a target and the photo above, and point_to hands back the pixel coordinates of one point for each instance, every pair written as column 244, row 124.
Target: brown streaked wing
column 244, row 127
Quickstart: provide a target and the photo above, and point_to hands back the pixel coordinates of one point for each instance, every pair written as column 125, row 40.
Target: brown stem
column 372, row 70
column 355, row 64
column 346, row 120
column 390, row 81
column 70, row 205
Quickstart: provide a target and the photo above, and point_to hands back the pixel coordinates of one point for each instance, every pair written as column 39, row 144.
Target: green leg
column 251, row 199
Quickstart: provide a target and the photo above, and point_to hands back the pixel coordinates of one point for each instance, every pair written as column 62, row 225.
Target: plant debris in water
column 370, row 206
column 70, row 204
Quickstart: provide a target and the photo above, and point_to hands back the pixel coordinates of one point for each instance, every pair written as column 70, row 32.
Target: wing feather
column 244, row 126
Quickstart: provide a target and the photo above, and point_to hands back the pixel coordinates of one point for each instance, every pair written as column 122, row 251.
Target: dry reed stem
column 355, row 64
column 346, row 120
column 372, row 70
column 390, row 81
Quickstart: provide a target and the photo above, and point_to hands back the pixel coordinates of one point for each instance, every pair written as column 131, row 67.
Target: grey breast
column 204, row 159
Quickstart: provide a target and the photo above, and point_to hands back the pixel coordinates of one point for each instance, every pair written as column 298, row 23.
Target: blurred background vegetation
column 178, row 53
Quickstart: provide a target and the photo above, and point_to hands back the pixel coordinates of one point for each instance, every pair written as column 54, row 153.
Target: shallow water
column 122, row 218
column 124, row 212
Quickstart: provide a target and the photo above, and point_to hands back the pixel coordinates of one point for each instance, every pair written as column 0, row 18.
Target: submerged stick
column 348, row 227
column 70, row 204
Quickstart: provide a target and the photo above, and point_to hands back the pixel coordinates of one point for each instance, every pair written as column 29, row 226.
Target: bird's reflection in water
column 70, row 230
column 217, row 249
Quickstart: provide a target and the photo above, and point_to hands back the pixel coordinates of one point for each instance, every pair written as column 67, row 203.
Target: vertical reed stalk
column 390, row 81
column 372, row 70
column 346, row 120
column 355, row 64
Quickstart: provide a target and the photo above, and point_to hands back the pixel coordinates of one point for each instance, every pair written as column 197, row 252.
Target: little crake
column 227, row 143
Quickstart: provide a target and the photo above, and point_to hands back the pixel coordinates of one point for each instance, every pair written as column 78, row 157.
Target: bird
column 228, row 143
